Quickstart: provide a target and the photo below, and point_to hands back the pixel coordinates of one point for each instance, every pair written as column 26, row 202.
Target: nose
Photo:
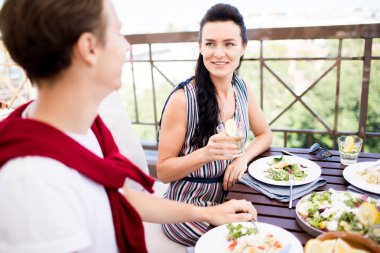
column 219, row 51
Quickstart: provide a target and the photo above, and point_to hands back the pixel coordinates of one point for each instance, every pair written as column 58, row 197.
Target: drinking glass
column 349, row 154
column 238, row 139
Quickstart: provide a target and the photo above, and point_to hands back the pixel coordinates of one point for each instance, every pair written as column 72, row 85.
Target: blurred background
column 314, row 65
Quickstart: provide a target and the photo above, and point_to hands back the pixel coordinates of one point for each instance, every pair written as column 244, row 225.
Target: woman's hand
column 220, row 147
column 234, row 172
column 231, row 211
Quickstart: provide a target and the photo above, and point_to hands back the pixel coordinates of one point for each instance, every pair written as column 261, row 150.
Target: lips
column 220, row 63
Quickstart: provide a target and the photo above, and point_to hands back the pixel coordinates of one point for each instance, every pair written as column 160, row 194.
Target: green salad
column 236, row 231
column 334, row 211
column 280, row 170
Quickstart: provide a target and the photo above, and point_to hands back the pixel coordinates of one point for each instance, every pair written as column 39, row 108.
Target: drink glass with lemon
column 349, row 149
column 235, row 130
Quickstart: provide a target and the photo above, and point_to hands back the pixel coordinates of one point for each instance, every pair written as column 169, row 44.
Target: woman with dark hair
column 192, row 156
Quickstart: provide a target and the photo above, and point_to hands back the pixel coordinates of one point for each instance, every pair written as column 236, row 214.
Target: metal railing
column 366, row 32
column 14, row 85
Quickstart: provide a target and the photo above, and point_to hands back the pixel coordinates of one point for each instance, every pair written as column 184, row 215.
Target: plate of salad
column 246, row 237
column 330, row 211
column 277, row 170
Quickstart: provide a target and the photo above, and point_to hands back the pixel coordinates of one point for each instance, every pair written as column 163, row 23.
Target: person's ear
column 87, row 48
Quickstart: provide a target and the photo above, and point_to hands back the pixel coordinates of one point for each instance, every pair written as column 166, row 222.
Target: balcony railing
column 358, row 45
column 276, row 59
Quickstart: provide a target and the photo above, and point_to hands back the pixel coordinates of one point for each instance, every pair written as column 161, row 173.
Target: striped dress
column 202, row 187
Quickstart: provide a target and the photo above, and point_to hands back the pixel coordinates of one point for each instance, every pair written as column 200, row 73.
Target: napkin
column 281, row 193
column 352, row 188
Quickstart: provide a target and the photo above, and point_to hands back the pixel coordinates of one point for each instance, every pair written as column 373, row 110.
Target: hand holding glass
column 238, row 139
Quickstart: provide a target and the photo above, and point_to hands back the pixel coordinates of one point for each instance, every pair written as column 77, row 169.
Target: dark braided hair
column 208, row 109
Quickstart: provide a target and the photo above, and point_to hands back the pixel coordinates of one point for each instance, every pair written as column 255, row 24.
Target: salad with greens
column 247, row 239
column 236, row 231
column 281, row 170
column 333, row 211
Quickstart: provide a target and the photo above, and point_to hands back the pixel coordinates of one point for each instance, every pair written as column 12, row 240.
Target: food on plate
column 236, row 231
column 280, row 169
column 371, row 174
column 231, row 128
column 243, row 239
column 338, row 211
column 331, row 246
column 368, row 214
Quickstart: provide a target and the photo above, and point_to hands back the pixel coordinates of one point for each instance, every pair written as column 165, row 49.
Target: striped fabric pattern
column 202, row 194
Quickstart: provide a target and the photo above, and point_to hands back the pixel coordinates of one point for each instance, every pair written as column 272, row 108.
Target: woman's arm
column 170, row 167
column 159, row 210
column 262, row 141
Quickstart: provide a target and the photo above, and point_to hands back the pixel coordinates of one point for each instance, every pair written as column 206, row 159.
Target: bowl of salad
column 330, row 211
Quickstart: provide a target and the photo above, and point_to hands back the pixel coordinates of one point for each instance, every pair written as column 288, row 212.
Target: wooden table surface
column 277, row 213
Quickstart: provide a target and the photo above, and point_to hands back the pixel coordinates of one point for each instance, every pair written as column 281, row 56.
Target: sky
column 150, row 16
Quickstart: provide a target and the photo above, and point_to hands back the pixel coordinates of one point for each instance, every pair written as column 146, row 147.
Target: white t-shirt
column 46, row 206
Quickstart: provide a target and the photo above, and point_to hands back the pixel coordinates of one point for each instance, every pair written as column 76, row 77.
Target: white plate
column 215, row 239
column 359, row 181
column 257, row 170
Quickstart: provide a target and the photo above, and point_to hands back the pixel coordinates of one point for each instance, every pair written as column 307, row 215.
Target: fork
column 291, row 190
column 255, row 226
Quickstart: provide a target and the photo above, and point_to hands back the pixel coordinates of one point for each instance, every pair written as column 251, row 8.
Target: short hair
column 40, row 34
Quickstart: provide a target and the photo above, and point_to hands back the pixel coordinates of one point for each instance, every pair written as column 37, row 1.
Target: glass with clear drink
column 237, row 136
column 349, row 149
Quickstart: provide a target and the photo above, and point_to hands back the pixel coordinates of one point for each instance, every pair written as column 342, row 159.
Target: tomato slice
column 232, row 244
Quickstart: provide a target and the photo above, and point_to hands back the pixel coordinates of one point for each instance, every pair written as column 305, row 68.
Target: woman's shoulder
column 188, row 84
column 239, row 81
column 177, row 99
column 240, row 84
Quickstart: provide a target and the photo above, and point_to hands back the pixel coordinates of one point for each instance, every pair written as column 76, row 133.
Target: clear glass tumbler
column 349, row 149
column 238, row 139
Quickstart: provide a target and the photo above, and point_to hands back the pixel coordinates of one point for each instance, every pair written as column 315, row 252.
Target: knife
column 287, row 152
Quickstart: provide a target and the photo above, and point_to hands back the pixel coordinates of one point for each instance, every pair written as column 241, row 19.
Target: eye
column 230, row 44
column 210, row 44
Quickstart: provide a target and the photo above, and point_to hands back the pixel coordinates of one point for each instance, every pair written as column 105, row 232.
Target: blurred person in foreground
column 195, row 159
column 61, row 173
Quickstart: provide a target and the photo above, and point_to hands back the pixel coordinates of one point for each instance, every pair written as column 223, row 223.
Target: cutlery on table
column 287, row 152
column 255, row 226
column 291, row 190
column 290, row 181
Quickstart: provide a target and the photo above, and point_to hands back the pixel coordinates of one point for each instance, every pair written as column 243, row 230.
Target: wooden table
column 278, row 213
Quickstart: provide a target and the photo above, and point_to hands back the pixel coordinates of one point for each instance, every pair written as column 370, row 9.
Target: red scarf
column 23, row 137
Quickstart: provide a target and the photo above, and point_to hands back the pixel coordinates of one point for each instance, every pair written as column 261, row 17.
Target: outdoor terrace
column 313, row 83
